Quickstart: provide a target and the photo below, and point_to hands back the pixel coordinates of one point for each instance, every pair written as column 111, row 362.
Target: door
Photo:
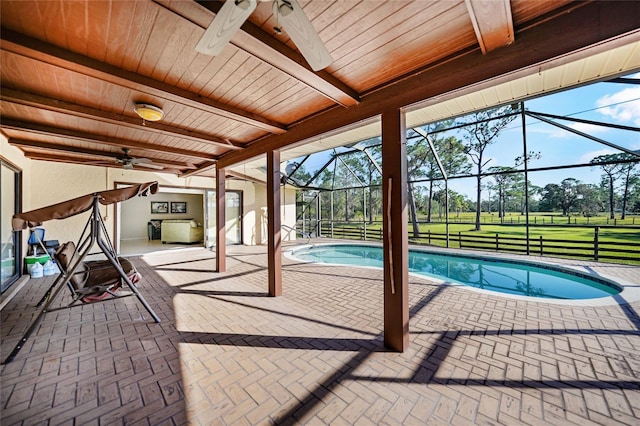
column 233, row 213
column 210, row 218
column 10, row 248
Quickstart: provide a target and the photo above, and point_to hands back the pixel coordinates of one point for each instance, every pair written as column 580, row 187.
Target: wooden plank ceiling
column 72, row 71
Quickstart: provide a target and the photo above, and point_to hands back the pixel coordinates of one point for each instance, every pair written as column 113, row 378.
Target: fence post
column 596, row 231
column 497, row 244
column 460, row 239
column 429, row 236
column 540, row 245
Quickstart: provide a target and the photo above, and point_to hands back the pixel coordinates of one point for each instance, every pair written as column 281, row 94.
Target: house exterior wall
column 46, row 183
column 15, row 157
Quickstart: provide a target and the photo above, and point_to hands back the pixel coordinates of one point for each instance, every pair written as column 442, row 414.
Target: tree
column 451, row 153
column 457, row 202
column 365, row 168
column 634, row 197
column 589, row 195
column 482, row 132
column 569, row 195
column 421, row 163
column 503, row 184
column 564, row 196
column 631, row 175
column 534, row 196
column 550, row 197
column 611, row 172
column 520, row 185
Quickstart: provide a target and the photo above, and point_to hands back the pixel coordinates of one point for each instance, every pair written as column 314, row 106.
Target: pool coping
column 630, row 292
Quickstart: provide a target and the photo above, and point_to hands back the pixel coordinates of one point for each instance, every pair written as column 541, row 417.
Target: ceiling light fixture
column 148, row 112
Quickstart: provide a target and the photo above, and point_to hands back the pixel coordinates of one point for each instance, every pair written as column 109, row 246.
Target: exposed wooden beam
column 57, row 158
column 242, row 176
column 543, row 45
column 68, row 108
column 93, row 152
column 42, row 129
column 44, row 52
column 264, row 46
column 492, row 23
column 201, row 169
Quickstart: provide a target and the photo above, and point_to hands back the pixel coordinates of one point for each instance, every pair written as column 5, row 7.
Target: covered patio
column 336, row 346
column 225, row 353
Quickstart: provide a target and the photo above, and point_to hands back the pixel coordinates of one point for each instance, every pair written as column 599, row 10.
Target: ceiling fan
column 128, row 161
column 288, row 12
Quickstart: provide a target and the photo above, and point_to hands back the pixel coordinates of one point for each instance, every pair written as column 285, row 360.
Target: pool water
column 505, row 277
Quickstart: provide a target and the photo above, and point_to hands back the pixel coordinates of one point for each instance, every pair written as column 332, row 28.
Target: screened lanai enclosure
column 557, row 175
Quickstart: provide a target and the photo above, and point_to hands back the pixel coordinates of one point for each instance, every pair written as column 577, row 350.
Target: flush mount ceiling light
column 149, row 112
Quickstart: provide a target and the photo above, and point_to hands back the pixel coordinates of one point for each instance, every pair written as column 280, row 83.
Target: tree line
column 506, row 187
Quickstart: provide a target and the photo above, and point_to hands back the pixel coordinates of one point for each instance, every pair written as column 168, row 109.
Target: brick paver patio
column 225, row 353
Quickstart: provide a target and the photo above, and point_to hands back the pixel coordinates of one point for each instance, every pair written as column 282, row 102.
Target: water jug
column 49, row 268
column 37, row 271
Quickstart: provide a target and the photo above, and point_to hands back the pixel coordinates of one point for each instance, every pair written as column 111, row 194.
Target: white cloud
column 624, row 105
column 589, row 128
column 558, row 133
column 588, row 156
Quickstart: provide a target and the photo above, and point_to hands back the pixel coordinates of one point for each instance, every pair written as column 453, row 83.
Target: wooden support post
column 274, row 252
column 221, row 220
column 395, row 237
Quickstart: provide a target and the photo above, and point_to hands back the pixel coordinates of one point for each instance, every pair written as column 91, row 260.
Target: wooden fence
column 597, row 249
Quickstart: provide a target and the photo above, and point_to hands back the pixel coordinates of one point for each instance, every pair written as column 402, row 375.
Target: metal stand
column 97, row 234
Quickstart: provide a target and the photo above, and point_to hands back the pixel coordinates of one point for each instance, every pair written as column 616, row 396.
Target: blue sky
column 613, row 103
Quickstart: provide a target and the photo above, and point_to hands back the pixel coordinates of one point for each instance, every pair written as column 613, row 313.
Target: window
column 10, row 204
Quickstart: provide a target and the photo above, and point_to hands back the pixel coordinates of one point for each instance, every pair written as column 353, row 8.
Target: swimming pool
column 504, row 276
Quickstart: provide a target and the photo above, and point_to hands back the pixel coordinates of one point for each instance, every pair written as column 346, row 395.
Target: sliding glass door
column 10, row 203
column 233, row 212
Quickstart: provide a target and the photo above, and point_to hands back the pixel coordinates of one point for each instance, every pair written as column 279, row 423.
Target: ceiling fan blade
column 227, row 21
column 149, row 166
column 138, row 160
column 144, row 162
column 302, row 33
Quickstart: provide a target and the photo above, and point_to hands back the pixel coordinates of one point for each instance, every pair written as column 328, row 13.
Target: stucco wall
column 258, row 218
column 46, row 183
column 15, row 157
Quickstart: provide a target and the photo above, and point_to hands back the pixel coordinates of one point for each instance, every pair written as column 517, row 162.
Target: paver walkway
column 225, row 353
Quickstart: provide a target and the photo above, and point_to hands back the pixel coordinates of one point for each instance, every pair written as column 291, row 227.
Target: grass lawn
column 558, row 239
